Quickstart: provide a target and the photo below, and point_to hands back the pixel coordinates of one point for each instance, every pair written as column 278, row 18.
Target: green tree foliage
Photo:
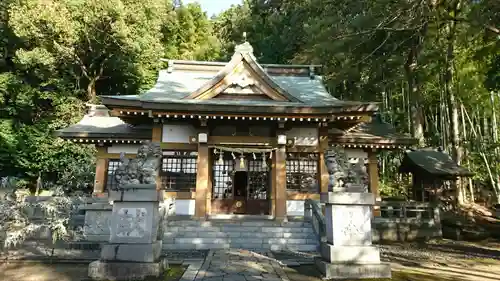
column 56, row 55
column 432, row 64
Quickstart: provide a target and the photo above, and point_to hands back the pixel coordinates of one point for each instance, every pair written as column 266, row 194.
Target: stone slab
column 350, row 254
column 136, row 195
column 132, row 252
column 348, row 198
column 101, row 206
column 97, row 222
column 134, row 222
column 342, row 271
column 102, row 270
column 348, row 225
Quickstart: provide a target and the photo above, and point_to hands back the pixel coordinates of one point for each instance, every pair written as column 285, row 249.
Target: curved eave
column 104, row 137
column 372, row 142
column 113, row 102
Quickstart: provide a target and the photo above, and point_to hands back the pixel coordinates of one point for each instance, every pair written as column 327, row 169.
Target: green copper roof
column 173, row 87
column 433, row 162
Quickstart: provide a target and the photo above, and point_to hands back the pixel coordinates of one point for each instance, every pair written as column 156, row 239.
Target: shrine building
column 238, row 137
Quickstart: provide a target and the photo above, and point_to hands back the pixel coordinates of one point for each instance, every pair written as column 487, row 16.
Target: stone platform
column 110, row 270
column 339, row 271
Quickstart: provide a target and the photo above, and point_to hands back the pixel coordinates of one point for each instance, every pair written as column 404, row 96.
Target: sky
column 214, row 6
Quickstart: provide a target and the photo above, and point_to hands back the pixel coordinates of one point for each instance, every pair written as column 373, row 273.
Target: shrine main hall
column 238, row 138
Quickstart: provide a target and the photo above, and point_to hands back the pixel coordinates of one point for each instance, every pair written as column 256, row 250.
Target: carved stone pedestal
column 134, row 247
column 348, row 252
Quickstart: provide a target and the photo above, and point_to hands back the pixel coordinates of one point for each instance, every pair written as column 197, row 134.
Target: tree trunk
column 456, row 148
column 494, row 128
column 91, row 92
column 465, row 137
column 411, row 65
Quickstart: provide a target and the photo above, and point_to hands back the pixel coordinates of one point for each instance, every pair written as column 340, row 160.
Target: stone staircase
column 258, row 235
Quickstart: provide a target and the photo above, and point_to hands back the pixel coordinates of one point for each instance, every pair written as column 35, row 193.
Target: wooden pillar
column 156, row 136
column 279, row 180
column 323, row 176
column 100, row 171
column 208, row 192
column 202, row 180
column 374, row 180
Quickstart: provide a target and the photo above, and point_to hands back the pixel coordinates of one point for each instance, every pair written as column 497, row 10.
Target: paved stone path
column 236, row 265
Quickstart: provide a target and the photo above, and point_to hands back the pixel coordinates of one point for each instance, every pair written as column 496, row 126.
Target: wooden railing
column 393, row 214
column 408, row 211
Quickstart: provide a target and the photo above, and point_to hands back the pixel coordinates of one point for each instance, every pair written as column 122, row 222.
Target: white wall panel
column 127, row 148
column 303, row 136
column 178, row 133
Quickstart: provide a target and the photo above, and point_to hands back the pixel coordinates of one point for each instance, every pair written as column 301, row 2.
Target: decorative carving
column 336, row 164
column 131, row 222
column 354, row 219
column 142, row 169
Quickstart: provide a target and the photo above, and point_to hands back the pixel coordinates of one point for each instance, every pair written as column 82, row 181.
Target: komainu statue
column 141, row 170
column 344, row 176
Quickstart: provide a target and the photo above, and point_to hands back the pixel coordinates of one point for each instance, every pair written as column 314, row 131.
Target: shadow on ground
column 36, row 271
column 309, row 273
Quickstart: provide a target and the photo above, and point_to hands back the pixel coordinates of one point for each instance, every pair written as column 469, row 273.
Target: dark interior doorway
column 240, row 184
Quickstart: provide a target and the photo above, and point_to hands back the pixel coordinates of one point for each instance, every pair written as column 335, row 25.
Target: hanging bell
column 232, row 154
column 242, row 162
column 264, row 164
column 221, row 158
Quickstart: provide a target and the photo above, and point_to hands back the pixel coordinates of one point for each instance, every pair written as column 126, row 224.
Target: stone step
column 220, row 234
column 253, row 235
column 219, row 223
column 234, row 228
column 239, row 240
column 248, row 246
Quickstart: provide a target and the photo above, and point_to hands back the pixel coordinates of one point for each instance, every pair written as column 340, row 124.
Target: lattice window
column 302, row 172
column 178, row 170
column 258, row 180
column 110, row 178
column 222, row 179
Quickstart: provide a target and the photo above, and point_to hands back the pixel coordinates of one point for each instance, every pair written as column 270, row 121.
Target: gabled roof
column 243, row 72
column 242, row 85
column 374, row 132
column 98, row 124
column 432, row 162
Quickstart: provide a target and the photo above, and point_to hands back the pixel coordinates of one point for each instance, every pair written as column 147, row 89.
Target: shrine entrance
column 241, row 185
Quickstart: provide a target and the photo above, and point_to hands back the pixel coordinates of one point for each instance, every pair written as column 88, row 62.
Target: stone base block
column 103, row 270
column 350, row 254
column 132, row 252
column 339, row 271
column 136, row 195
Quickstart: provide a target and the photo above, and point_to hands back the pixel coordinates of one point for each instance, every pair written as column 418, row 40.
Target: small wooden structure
column 432, row 173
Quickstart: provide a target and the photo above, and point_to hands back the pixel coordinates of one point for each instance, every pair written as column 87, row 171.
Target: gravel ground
column 441, row 252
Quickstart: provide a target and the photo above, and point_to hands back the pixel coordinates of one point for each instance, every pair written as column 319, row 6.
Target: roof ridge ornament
column 245, row 47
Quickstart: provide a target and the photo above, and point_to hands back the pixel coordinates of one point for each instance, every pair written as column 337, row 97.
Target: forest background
column 434, row 65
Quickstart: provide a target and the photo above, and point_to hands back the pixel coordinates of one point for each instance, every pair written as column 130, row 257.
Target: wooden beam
column 302, row 196
column 279, row 188
column 178, row 146
column 157, row 133
column 220, row 140
column 323, row 176
column 374, row 180
column 202, row 180
column 180, row 194
column 156, row 136
column 100, row 171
